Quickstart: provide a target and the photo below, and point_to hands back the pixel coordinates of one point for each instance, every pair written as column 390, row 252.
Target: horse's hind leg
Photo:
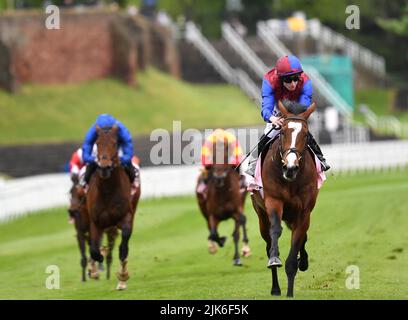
column 235, row 235
column 275, row 231
column 123, row 274
column 303, row 260
column 276, row 291
column 246, row 251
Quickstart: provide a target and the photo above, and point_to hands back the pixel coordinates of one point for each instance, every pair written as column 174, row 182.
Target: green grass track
column 359, row 220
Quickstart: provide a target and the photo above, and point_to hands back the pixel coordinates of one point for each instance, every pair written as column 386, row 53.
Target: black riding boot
column 130, row 170
column 90, row 169
column 253, row 158
column 317, row 151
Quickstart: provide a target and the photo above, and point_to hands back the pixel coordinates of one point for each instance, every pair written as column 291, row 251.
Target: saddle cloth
column 257, row 184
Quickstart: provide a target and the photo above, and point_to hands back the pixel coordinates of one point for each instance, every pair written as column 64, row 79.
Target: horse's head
column 220, row 168
column 293, row 138
column 107, row 143
column 75, row 201
column 218, row 173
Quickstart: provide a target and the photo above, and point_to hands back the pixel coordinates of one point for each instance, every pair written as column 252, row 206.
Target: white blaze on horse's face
column 291, row 157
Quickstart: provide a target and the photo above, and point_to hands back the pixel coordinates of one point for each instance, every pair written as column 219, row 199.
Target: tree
column 397, row 26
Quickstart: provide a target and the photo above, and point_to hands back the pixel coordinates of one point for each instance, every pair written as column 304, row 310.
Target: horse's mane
column 294, row 107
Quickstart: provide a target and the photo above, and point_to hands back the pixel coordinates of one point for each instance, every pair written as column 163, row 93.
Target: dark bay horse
column 289, row 180
column 109, row 201
column 224, row 200
column 79, row 212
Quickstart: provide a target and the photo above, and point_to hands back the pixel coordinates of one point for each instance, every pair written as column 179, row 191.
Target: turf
column 56, row 113
column 359, row 220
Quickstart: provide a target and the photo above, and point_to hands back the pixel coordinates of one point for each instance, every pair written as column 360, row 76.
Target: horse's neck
column 110, row 185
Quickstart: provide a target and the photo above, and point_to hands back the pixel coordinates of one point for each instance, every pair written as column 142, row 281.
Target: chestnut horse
column 223, row 200
column 289, row 180
column 109, row 202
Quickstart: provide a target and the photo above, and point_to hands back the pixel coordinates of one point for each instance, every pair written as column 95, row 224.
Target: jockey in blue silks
column 125, row 147
column 286, row 81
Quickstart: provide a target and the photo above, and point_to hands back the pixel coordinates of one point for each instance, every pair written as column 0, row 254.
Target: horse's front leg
column 82, row 247
column 235, row 235
column 123, row 274
column 214, row 237
column 95, row 242
column 274, row 209
column 298, row 240
column 246, row 251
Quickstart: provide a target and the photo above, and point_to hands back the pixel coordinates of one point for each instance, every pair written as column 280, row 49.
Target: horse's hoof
column 303, row 264
column 276, row 292
column 104, row 251
column 237, row 262
column 121, row 285
column 246, row 251
column 222, row 241
column 94, row 275
column 274, row 262
column 212, row 247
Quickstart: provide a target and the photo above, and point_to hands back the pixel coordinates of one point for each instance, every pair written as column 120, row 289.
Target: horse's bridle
column 299, row 154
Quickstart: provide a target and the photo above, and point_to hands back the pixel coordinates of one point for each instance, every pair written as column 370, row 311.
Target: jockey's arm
column 306, row 94
column 88, row 144
column 268, row 100
column 125, row 141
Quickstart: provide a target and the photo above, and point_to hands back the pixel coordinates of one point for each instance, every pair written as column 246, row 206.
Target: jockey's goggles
column 289, row 79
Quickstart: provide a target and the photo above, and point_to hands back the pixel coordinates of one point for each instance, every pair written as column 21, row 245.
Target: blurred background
column 201, row 62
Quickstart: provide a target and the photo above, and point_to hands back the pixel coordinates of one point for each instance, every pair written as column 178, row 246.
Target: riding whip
column 274, row 127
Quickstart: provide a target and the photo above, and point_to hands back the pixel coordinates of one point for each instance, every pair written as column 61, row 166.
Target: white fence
column 22, row 196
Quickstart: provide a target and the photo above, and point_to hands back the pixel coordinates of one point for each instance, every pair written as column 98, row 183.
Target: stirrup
column 324, row 166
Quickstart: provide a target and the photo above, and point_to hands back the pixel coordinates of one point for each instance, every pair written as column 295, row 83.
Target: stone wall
column 90, row 44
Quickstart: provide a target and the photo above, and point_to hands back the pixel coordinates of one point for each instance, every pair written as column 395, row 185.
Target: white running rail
column 320, row 84
column 234, row 76
column 27, row 195
column 384, row 124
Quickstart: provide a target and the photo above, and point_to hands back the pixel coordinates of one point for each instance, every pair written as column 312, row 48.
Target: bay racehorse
column 223, row 200
column 290, row 190
column 79, row 213
column 109, row 202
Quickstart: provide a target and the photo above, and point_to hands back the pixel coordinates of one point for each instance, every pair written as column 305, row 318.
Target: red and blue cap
column 288, row 65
